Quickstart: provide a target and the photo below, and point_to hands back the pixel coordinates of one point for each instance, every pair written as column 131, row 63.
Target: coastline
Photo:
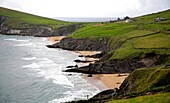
column 109, row 81
column 101, row 81
column 56, row 39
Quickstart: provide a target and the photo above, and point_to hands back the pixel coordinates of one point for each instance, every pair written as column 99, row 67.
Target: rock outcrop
column 82, row 44
column 36, row 30
column 116, row 66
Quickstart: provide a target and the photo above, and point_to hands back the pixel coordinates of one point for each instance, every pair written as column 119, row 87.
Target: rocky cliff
column 119, row 66
column 26, row 29
column 82, row 44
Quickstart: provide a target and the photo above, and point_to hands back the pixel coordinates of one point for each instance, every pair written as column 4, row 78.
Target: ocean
column 86, row 19
column 32, row 73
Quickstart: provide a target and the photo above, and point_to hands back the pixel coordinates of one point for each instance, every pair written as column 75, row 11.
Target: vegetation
column 156, row 98
column 142, row 82
column 128, row 40
column 150, row 79
column 18, row 19
column 134, row 40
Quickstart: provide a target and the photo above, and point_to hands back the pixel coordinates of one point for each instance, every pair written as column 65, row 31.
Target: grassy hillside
column 128, row 40
column 136, row 39
column 150, row 79
column 17, row 19
column 157, row 98
column 121, row 28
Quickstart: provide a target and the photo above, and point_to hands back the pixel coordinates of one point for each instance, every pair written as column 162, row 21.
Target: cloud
column 14, row 4
column 87, row 8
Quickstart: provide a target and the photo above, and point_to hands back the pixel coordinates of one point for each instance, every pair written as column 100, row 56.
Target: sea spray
column 32, row 73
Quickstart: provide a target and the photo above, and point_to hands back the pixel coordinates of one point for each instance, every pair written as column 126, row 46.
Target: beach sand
column 112, row 81
column 101, row 81
column 88, row 53
column 56, row 39
column 108, row 81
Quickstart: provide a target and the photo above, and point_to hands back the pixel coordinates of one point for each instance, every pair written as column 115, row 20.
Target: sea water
column 32, row 73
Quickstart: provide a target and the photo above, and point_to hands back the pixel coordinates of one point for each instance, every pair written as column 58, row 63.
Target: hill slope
column 124, row 41
column 18, row 23
column 144, row 42
column 15, row 18
column 157, row 98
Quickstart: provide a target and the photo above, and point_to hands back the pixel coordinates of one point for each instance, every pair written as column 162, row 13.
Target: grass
column 149, row 79
column 127, row 51
column 15, row 18
column 160, row 40
column 121, row 35
column 93, row 31
column 143, row 24
column 140, row 82
column 156, row 98
column 123, row 52
column 136, row 39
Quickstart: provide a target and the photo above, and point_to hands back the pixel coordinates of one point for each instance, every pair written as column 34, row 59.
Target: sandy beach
column 56, row 39
column 101, row 81
column 111, row 81
column 88, row 53
column 108, row 81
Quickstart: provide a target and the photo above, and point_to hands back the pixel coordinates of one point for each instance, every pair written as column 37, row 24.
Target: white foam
column 44, row 39
column 29, row 58
column 41, row 73
column 18, row 40
column 61, row 100
column 33, row 65
column 74, row 96
column 50, row 71
column 56, row 75
column 25, row 44
column 10, row 39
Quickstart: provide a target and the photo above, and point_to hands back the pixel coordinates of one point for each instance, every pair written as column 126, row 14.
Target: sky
column 87, row 8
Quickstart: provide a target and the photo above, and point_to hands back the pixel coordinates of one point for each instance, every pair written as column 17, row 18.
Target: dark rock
column 36, row 30
column 81, row 61
column 117, row 66
column 81, row 56
column 82, row 44
column 96, row 55
column 76, row 66
column 65, row 30
column 69, row 74
column 90, row 75
column 118, row 83
column 108, row 92
column 49, row 46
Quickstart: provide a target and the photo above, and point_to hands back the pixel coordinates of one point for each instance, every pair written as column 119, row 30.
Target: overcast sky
column 87, row 8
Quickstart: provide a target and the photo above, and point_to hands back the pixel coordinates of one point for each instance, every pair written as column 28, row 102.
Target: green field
column 150, row 79
column 156, row 98
column 160, row 40
column 121, row 28
column 16, row 19
column 127, row 41
column 130, row 39
column 135, row 40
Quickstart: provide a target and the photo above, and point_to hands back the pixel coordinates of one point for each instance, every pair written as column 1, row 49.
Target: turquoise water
column 32, row 73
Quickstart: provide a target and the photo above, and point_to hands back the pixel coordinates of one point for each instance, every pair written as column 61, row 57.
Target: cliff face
column 118, row 66
column 36, row 30
column 82, row 44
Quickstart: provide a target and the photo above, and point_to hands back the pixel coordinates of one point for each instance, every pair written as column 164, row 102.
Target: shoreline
column 107, row 81
column 100, row 81
column 56, row 39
